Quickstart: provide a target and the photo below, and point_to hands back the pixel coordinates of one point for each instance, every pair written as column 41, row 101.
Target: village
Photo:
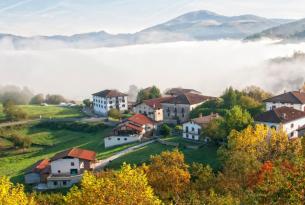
column 148, row 119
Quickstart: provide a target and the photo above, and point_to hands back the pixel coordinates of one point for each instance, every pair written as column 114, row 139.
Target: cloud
column 209, row 66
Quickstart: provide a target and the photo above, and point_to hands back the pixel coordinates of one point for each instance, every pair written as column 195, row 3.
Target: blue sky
column 44, row 17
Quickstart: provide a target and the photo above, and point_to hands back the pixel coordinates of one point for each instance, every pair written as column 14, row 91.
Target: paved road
column 101, row 164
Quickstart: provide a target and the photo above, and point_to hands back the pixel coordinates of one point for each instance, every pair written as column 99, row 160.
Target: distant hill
column 193, row 26
column 289, row 32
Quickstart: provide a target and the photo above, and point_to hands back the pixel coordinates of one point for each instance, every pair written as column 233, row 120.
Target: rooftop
column 205, row 119
column 280, row 115
column 140, row 119
column 156, row 103
column 75, row 153
column 179, row 91
column 188, row 99
column 294, row 97
column 109, row 93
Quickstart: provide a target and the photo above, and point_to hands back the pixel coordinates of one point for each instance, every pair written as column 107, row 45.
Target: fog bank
column 206, row 66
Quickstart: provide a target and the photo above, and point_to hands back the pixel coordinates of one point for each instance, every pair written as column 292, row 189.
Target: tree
column 21, row 141
column 256, row 93
column 12, row 112
column 37, row 99
column 87, row 103
column 165, row 130
column 128, row 186
column 230, row 98
column 55, row 99
column 148, row 93
column 114, row 113
column 11, row 194
column 237, row 119
column 215, row 130
column 168, row 175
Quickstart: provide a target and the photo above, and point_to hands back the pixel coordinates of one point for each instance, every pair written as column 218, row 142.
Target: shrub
column 21, row 141
column 165, row 130
column 114, row 113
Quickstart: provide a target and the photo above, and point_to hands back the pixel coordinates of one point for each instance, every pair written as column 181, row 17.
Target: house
column 294, row 99
column 108, row 99
column 63, row 170
column 286, row 118
column 176, row 110
column 151, row 108
column 192, row 129
column 131, row 130
column 180, row 91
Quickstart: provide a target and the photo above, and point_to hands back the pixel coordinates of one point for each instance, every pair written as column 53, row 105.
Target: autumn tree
column 11, row 194
column 168, row 175
column 128, row 186
column 256, row 93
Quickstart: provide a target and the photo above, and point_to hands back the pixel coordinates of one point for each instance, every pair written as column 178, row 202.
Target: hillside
column 193, row 26
column 290, row 32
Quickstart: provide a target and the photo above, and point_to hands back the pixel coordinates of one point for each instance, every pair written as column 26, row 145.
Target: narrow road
column 101, row 164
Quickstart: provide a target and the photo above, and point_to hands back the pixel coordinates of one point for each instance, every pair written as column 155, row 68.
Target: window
column 123, row 105
column 193, row 129
column 193, row 137
column 186, row 129
column 118, row 139
column 64, row 183
column 55, row 183
column 72, row 163
column 291, row 135
column 292, row 125
column 199, row 131
column 187, row 135
column 110, row 102
column 58, row 171
column 125, row 139
column 123, row 100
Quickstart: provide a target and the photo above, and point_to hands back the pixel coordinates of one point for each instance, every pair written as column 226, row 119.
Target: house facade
column 192, row 129
column 131, row 130
column 293, row 99
column 108, row 99
column 289, row 119
column 176, row 110
column 62, row 170
column 151, row 108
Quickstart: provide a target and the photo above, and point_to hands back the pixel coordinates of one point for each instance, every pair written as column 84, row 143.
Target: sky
column 48, row 17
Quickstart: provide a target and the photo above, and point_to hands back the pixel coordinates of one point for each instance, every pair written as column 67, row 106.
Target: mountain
column 289, row 32
column 193, row 26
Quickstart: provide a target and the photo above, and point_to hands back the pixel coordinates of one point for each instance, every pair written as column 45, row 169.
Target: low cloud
column 209, row 66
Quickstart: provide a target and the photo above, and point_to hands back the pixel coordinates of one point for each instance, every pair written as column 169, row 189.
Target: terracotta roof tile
column 156, row 103
column 294, row 97
column 140, row 119
column 280, row 115
column 188, row 99
column 76, row 153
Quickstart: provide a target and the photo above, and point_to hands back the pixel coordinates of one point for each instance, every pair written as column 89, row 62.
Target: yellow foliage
column 11, row 194
column 128, row 186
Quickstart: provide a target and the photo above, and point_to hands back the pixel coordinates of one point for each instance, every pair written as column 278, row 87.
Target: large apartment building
column 108, row 99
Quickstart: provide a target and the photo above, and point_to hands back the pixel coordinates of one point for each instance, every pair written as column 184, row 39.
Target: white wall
column 193, row 132
column 271, row 105
column 64, row 165
column 156, row 115
column 120, row 140
column 290, row 128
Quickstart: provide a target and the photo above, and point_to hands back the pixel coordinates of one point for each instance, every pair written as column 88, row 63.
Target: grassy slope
column 34, row 111
column 206, row 154
column 13, row 163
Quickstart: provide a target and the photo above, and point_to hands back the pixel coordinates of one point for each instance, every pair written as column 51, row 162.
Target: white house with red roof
column 293, row 99
column 63, row 170
column 131, row 130
column 152, row 108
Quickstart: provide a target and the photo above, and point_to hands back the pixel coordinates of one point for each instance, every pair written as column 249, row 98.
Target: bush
column 37, row 99
column 165, row 130
column 114, row 113
column 12, row 112
column 73, row 126
column 21, row 141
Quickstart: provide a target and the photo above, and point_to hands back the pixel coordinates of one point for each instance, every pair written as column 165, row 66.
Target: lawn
column 51, row 111
column 14, row 163
column 206, row 154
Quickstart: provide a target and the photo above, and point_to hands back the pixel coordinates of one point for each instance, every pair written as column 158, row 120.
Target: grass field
column 14, row 163
column 51, row 111
column 207, row 154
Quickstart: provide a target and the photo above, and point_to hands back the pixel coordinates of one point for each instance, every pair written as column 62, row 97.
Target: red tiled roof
column 40, row 166
column 206, row 119
column 140, row 119
column 156, row 102
column 134, row 127
column 294, row 97
column 76, row 153
column 188, row 99
column 109, row 93
column 280, row 115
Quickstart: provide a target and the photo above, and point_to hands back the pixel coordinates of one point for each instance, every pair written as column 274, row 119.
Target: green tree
column 237, row 119
column 13, row 112
column 154, row 92
column 165, row 130
column 55, row 99
column 148, row 93
column 114, row 113
column 230, row 98
column 37, row 99
column 216, row 130
column 87, row 103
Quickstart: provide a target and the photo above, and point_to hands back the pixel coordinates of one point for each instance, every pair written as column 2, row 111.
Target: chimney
column 200, row 115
